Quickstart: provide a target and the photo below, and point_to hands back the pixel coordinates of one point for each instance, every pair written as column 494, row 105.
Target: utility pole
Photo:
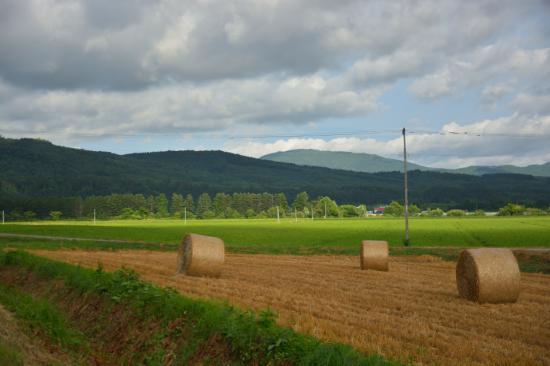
column 3, row 219
column 406, row 188
column 295, row 215
column 185, row 215
column 311, row 213
column 94, row 216
column 325, row 210
column 278, row 220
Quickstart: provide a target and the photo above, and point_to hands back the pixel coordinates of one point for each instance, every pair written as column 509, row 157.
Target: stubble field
column 411, row 314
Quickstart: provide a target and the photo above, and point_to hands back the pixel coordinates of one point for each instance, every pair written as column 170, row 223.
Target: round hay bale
column 201, row 255
column 488, row 275
column 374, row 255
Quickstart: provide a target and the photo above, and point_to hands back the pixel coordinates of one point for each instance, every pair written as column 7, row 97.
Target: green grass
column 252, row 338
column 21, row 243
column 39, row 316
column 8, row 356
column 306, row 236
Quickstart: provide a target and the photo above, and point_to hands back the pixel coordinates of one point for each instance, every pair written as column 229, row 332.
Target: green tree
column 330, row 205
column 414, row 210
column 177, row 205
column 222, row 202
column 55, row 215
column 532, row 211
column 349, row 211
column 301, row 201
column 511, row 209
column 281, row 201
column 394, row 209
column 162, row 205
column 204, row 204
column 231, row 213
column 189, row 203
column 29, row 215
column 208, row 214
column 151, row 205
column 129, row 214
column 436, row 212
column 456, row 213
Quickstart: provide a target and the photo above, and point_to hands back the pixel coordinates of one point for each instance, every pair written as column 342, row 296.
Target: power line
column 479, row 134
column 327, row 134
column 334, row 134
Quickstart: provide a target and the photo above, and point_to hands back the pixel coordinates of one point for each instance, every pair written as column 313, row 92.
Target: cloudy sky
column 254, row 77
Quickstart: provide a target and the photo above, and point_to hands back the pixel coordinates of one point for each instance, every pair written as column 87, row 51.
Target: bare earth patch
column 411, row 313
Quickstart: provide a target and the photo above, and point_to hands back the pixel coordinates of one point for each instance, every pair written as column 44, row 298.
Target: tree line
column 220, row 205
column 177, row 205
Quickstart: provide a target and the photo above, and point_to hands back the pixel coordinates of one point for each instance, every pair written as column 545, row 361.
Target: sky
column 469, row 80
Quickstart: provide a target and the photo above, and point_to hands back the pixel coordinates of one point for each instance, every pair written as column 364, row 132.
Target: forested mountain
column 358, row 162
column 371, row 163
column 35, row 168
column 539, row 170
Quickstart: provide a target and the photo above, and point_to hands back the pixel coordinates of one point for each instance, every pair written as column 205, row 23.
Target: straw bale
column 201, row 255
column 488, row 275
column 374, row 255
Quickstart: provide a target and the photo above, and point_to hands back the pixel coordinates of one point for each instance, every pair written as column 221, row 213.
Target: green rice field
column 306, row 236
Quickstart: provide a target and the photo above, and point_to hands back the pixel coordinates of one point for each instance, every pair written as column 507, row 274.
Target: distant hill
column 540, row 170
column 357, row 162
column 371, row 163
column 36, row 168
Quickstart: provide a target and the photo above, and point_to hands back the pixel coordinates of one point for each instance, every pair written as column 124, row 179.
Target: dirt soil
column 411, row 313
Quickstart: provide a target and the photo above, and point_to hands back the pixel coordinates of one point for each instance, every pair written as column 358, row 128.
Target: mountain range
column 33, row 168
column 371, row 163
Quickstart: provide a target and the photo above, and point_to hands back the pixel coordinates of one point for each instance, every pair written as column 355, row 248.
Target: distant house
column 379, row 210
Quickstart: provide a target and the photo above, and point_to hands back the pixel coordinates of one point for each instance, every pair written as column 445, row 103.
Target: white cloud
column 516, row 139
column 488, row 64
column 433, row 86
column 178, row 108
column 492, row 94
column 532, row 103
column 104, row 68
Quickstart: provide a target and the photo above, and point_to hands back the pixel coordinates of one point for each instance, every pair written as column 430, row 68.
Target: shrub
column 534, row 212
column 414, row 210
column 436, row 212
column 349, row 211
column 511, row 209
column 394, row 209
column 456, row 213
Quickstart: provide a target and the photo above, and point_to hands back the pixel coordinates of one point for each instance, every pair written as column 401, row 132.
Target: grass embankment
column 306, row 236
column 9, row 356
column 114, row 318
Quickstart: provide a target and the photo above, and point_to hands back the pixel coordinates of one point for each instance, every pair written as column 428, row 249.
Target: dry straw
column 374, row 255
column 201, row 255
column 488, row 275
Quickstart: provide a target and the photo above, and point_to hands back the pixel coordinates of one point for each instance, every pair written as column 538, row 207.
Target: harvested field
column 412, row 313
